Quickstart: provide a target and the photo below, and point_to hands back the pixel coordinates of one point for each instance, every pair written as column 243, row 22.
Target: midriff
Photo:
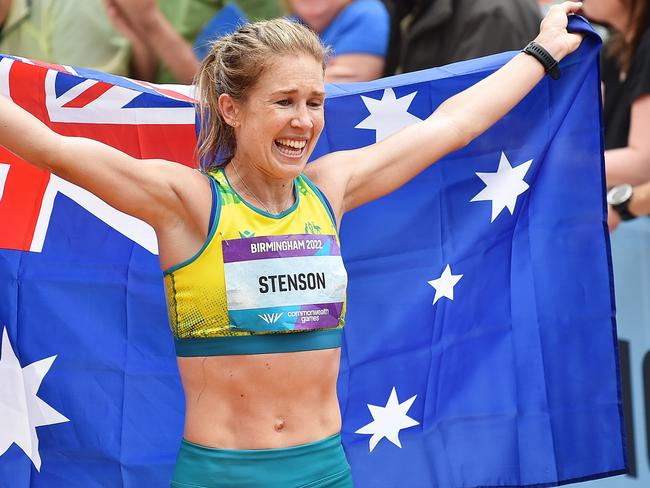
column 261, row 401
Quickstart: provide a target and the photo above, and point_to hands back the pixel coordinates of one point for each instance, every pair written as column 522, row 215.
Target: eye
column 285, row 102
column 316, row 103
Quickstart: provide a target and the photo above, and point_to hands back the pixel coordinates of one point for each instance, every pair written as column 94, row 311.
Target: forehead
column 291, row 73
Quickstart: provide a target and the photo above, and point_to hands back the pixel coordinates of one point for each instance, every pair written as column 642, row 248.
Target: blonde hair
column 233, row 66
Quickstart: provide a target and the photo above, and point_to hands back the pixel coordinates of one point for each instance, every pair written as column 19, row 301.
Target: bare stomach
column 261, row 401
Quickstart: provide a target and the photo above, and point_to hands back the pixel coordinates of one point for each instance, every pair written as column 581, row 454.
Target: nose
column 302, row 119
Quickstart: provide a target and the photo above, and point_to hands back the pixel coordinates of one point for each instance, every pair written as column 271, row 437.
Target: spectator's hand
column 613, row 219
column 553, row 35
column 143, row 60
column 120, row 22
column 139, row 13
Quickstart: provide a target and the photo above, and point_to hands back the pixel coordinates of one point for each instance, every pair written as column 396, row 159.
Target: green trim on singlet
column 321, row 196
column 259, row 343
column 259, row 210
column 215, row 212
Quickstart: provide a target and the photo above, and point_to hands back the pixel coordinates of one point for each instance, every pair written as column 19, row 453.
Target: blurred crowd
column 164, row 41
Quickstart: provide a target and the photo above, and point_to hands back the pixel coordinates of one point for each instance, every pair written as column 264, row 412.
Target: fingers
column 558, row 13
column 567, row 7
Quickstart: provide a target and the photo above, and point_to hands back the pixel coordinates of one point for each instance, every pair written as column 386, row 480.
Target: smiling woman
column 256, row 288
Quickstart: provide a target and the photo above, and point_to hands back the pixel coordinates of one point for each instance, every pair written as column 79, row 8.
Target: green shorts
column 320, row 464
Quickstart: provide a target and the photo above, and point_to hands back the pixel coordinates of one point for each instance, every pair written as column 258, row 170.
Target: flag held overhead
column 480, row 343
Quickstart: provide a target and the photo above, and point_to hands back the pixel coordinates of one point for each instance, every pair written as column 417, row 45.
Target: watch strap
column 543, row 56
column 623, row 210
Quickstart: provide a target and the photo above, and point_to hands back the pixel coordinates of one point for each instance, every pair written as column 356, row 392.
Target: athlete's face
column 282, row 117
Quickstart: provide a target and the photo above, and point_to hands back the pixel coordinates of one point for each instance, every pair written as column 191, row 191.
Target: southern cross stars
column 388, row 115
column 503, row 187
column 445, row 284
column 388, row 420
column 21, row 411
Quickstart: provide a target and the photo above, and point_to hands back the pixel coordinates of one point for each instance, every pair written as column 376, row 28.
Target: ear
column 229, row 108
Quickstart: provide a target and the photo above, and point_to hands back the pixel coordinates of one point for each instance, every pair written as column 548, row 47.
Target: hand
column 119, row 21
column 139, row 13
column 613, row 219
column 553, row 35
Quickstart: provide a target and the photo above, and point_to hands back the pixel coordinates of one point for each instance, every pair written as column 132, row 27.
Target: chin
column 292, row 167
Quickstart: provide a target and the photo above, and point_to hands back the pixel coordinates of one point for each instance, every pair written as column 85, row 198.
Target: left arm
column 353, row 178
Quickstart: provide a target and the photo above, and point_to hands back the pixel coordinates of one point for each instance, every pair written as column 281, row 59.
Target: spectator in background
column 71, row 33
column 161, row 33
column 439, row 32
column 356, row 30
column 625, row 71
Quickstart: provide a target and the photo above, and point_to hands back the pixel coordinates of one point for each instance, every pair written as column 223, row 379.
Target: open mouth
column 292, row 148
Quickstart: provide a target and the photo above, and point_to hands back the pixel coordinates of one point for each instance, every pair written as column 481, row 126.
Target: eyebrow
column 290, row 91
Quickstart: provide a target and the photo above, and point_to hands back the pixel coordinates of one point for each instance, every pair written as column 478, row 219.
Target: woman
column 254, row 279
column 626, row 81
column 356, row 30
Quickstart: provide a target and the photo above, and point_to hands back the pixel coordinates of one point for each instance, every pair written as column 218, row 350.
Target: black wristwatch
column 619, row 198
column 543, row 56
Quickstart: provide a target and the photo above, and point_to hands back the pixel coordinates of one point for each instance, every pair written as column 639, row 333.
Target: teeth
column 292, row 143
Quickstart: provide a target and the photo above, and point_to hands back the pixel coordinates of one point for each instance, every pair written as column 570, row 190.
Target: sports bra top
column 261, row 283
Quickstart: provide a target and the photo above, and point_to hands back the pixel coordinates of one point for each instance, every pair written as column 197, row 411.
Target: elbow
column 47, row 155
column 460, row 132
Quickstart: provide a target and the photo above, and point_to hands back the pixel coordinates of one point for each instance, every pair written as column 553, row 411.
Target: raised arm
column 353, row 178
column 151, row 190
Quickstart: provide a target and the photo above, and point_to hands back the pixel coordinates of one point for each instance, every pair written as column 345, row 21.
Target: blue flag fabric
column 480, row 345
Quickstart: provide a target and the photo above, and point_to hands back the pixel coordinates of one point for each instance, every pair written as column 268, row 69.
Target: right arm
column 151, row 190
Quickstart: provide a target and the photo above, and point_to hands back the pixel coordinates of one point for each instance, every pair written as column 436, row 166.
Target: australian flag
column 480, row 344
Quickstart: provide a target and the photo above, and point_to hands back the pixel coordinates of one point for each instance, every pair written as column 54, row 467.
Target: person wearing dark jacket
column 439, row 32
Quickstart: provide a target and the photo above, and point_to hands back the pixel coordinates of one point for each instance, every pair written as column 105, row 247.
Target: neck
column 263, row 191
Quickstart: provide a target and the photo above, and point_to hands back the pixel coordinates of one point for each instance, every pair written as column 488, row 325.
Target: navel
column 279, row 425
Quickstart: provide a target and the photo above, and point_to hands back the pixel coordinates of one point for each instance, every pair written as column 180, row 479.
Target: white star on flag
column 445, row 284
column 21, row 411
column 388, row 420
column 503, row 187
column 388, row 115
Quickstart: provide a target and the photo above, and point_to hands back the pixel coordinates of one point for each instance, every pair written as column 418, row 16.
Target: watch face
column 619, row 194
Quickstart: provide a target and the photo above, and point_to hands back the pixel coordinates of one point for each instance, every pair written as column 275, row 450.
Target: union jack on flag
column 141, row 119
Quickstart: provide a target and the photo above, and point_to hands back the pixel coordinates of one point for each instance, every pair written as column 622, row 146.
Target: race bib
column 289, row 282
